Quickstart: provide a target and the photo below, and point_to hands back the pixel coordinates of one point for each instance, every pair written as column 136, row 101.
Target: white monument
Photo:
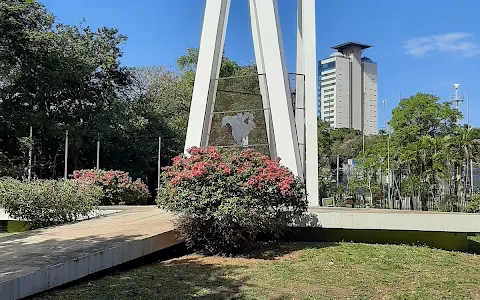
column 291, row 136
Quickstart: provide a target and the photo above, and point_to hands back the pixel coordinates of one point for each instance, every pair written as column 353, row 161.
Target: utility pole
column 387, row 131
column 30, row 154
column 159, row 166
column 338, row 171
column 98, row 153
column 388, row 169
column 65, row 170
column 456, row 99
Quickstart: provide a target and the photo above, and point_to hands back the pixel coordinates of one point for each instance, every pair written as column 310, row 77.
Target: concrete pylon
column 298, row 153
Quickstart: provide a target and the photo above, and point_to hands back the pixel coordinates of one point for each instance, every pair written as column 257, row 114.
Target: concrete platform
column 447, row 231
column 386, row 219
column 39, row 260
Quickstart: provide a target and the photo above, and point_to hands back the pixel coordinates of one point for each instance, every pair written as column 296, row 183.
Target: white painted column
column 277, row 84
column 257, row 45
column 300, row 87
column 309, row 39
column 208, row 69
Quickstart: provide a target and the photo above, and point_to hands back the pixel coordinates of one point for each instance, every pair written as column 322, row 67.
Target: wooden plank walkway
column 42, row 259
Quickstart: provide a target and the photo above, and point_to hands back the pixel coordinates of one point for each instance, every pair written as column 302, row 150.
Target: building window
column 327, row 66
column 331, row 73
column 327, row 85
column 328, row 79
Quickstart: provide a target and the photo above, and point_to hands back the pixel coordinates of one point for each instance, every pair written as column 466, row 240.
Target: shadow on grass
column 473, row 244
column 175, row 274
column 171, row 273
column 276, row 251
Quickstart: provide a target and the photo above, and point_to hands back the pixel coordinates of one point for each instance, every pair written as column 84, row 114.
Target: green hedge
column 48, row 202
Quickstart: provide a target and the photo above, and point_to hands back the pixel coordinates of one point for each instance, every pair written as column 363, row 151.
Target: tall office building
column 348, row 89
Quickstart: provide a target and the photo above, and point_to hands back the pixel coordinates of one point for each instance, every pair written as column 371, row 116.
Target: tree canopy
column 56, row 77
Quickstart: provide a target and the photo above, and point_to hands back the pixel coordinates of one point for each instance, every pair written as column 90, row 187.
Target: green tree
column 55, row 77
column 325, row 186
column 188, row 63
column 422, row 115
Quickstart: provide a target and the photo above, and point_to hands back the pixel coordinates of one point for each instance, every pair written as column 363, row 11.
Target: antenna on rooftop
column 456, row 98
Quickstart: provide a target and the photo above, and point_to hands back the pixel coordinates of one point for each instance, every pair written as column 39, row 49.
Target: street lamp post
column 384, row 114
column 386, row 126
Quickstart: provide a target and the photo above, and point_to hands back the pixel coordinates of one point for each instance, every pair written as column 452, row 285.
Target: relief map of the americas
column 239, row 127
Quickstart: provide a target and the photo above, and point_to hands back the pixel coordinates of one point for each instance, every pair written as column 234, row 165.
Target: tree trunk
column 412, row 190
column 422, row 200
column 455, row 187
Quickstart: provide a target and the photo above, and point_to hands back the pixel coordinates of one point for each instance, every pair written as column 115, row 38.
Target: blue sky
column 419, row 45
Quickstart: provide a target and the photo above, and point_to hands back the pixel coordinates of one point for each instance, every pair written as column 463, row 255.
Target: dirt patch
column 382, row 291
column 357, row 268
column 212, row 260
column 300, row 289
column 475, row 293
column 309, row 288
column 289, row 256
column 219, row 260
column 341, row 292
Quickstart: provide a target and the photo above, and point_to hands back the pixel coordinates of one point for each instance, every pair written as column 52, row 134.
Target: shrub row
column 48, row 202
column 228, row 200
column 118, row 187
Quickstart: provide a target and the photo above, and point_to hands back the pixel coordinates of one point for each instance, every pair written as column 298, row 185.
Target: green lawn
column 296, row 271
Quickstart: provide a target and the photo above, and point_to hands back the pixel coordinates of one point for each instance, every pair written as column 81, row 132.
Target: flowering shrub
column 118, row 187
column 228, row 199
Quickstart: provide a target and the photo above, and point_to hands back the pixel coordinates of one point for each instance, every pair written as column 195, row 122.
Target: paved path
column 41, row 259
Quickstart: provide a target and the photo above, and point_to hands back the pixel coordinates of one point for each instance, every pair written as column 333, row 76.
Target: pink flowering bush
column 117, row 186
column 228, row 200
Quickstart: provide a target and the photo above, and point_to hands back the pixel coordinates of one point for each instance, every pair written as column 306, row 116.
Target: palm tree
column 436, row 163
column 467, row 150
column 408, row 159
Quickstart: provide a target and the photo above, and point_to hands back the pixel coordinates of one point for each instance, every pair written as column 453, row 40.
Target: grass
column 5, row 234
column 295, row 271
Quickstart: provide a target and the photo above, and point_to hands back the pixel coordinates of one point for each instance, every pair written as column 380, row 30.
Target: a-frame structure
column 291, row 136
